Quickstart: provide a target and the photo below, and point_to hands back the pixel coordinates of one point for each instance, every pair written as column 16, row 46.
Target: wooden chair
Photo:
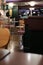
column 4, row 37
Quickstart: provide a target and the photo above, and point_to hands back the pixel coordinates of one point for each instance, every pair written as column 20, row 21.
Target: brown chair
column 4, row 37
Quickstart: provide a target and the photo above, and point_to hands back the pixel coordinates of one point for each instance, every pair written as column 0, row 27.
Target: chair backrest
column 4, row 36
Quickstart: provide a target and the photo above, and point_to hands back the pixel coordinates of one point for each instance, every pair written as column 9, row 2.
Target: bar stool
column 4, row 37
column 20, row 33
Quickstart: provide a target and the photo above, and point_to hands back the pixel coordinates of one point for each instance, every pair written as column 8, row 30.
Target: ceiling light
column 32, row 3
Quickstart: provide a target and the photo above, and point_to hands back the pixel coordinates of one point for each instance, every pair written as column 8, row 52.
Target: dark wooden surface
column 3, row 53
column 20, row 58
column 35, row 22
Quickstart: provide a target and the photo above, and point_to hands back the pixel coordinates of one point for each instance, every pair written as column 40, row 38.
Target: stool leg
column 21, row 46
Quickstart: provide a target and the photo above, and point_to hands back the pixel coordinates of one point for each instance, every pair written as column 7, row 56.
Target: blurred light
column 31, row 8
column 11, row 5
column 29, row 57
column 2, row 12
column 32, row 3
column 27, row 12
column 33, row 12
column 10, row 12
column 11, row 50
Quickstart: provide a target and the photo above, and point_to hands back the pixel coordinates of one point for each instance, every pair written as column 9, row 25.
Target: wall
column 35, row 23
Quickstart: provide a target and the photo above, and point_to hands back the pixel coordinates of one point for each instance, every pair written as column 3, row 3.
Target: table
column 21, row 58
column 3, row 53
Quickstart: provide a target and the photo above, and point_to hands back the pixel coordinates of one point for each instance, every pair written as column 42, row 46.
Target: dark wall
column 33, row 36
column 28, row 6
column 35, row 23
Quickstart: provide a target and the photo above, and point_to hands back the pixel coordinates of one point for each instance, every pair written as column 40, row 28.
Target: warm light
column 10, row 12
column 32, row 3
column 31, row 8
column 10, row 5
column 2, row 12
column 29, row 57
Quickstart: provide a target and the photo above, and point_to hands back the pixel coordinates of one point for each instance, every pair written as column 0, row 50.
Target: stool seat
column 4, row 37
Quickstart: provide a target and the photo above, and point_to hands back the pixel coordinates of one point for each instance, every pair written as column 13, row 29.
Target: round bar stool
column 20, row 33
column 4, row 37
